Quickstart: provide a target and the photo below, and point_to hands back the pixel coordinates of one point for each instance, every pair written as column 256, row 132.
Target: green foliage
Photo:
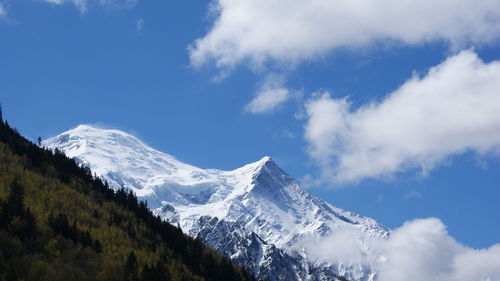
column 59, row 222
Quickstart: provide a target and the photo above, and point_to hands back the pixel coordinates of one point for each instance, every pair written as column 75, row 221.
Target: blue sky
column 136, row 66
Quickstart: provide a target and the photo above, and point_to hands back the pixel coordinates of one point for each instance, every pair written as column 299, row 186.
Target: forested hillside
column 59, row 222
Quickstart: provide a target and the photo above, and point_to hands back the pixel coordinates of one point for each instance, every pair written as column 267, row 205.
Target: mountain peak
column 264, row 161
column 258, row 197
column 267, row 165
column 88, row 128
column 84, row 127
column 87, row 136
column 255, row 167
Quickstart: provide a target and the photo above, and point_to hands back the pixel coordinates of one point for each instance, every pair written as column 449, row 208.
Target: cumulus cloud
column 423, row 250
column 481, row 265
column 270, row 95
column 345, row 246
column 451, row 110
column 82, row 5
column 294, row 30
column 419, row 250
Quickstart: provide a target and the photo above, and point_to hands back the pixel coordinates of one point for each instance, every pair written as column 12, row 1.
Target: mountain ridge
column 258, row 198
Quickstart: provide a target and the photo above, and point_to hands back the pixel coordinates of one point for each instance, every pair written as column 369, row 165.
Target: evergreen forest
column 59, row 222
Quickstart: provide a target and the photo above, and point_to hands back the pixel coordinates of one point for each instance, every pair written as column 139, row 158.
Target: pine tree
column 29, row 232
column 131, row 268
column 15, row 200
column 3, row 267
column 11, row 274
column 97, row 246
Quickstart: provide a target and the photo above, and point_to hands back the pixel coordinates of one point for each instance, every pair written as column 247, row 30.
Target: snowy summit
column 257, row 200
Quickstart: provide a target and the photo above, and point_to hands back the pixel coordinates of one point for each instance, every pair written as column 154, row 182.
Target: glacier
column 257, row 215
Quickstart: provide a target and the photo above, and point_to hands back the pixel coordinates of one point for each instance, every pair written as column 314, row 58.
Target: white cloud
column 423, row 250
column 295, row 30
column 270, row 95
column 345, row 245
column 82, row 5
column 3, row 11
column 453, row 109
column 419, row 250
column 481, row 265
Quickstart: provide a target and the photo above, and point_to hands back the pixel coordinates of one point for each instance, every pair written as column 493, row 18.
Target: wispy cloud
column 294, row 30
column 288, row 134
column 452, row 109
column 413, row 194
column 3, row 11
column 270, row 95
column 139, row 24
column 82, row 5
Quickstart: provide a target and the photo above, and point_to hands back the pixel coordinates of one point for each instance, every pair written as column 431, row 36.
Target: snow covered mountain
column 257, row 214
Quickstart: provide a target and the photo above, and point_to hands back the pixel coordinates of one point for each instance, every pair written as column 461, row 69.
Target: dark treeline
column 59, row 222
